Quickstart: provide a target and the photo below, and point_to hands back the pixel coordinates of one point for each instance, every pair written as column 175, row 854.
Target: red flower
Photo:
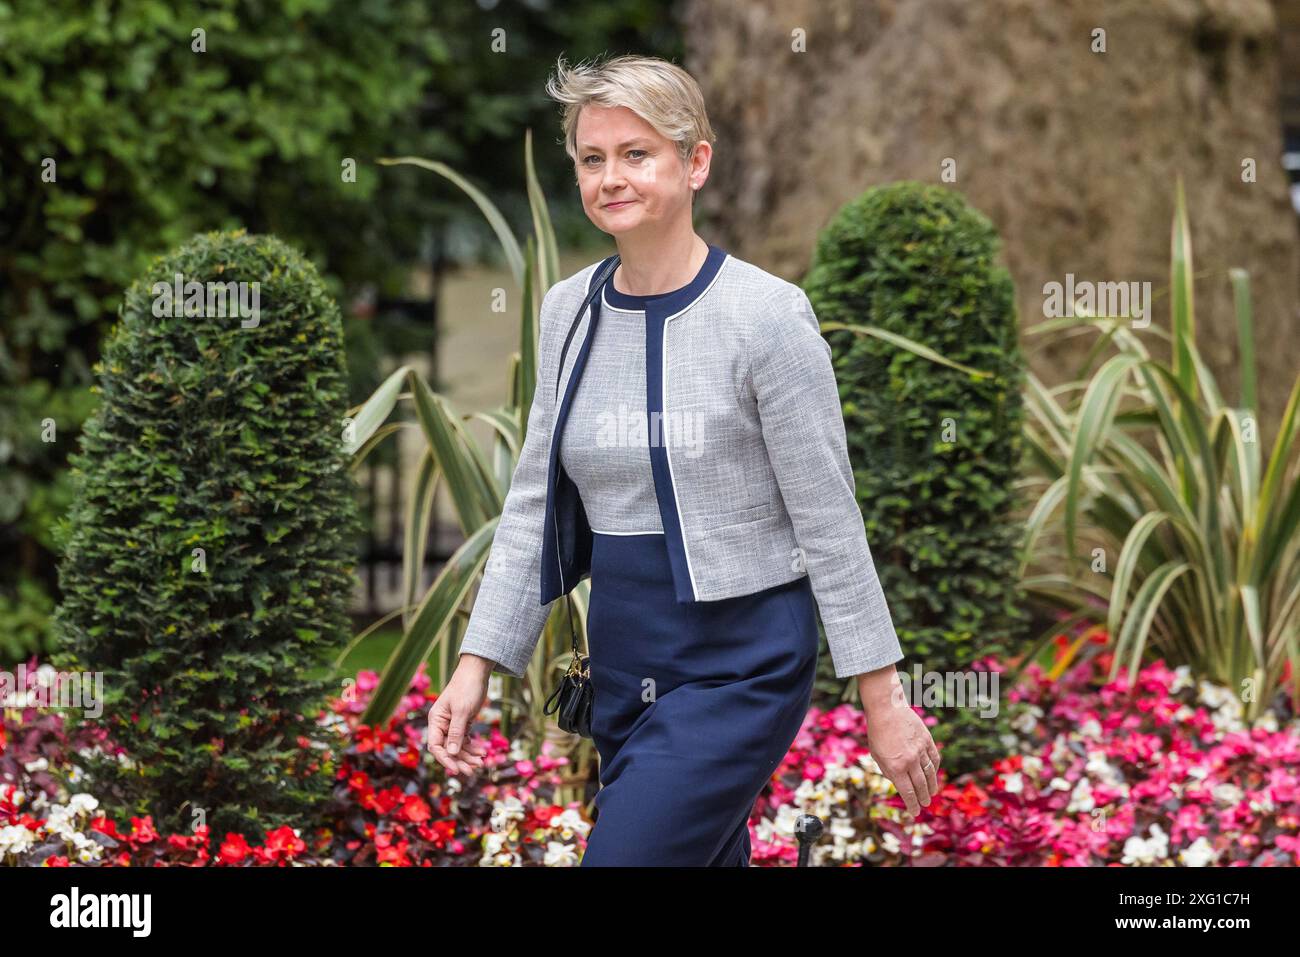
column 107, row 826
column 414, row 809
column 283, row 843
column 142, row 831
column 392, row 853
column 545, row 814
column 381, row 802
column 442, row 833
column 233, row 850
column 368, row 738
column 972, row 801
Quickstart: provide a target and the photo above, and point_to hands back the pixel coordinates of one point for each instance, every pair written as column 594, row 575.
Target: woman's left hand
column 901, row 744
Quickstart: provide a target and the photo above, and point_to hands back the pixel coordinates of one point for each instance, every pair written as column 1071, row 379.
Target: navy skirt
column 695, row 705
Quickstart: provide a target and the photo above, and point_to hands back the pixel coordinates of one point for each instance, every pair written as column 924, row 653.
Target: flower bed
column 1164, row 774
column 393, row 804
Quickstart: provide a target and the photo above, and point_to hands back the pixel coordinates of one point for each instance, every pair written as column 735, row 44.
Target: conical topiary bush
column 936, row 450
column 206, row 562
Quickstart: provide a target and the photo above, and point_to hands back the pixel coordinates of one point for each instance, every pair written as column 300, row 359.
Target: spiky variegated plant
column 1207, row 572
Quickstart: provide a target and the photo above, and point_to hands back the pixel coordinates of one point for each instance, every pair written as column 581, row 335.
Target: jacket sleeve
column 507, row 618
column 803, row 428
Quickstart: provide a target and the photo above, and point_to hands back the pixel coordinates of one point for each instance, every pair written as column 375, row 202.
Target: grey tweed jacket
column 750, row 464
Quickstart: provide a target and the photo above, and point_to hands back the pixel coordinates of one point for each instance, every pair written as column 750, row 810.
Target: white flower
column 1103, row 770
column 85, row 803
column 40, row 764
column 59, row 825
column 783, row 824
column 1081, row 801
column 505, row 812
column 1225, row 706
column 809, row 794
column 15, row 839
column 493, row 841
column 869, row 762
column 90, row 853
column 1026, row 721
column 1199, row 854
column 1090, row 729
column 842, row 828
column 764, row 830
column 519, row 750
column 570, row 823
column 1138, row 850
column 1267, row 721
column 559, row 854
column 1227, row 793
column 1263, row 804
column 1013, row 783
column 838, row 852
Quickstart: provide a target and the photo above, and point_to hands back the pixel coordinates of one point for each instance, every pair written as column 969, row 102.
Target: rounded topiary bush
column 935, row 451
column 206, row 564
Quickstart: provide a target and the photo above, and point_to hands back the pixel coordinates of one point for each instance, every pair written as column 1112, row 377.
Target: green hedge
column 915, row 260
column 215, row 437
column 152, row 141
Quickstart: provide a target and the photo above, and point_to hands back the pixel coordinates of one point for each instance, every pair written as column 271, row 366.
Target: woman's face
column 623, row 159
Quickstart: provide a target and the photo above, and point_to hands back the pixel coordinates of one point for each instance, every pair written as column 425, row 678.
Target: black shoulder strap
column 596, row 285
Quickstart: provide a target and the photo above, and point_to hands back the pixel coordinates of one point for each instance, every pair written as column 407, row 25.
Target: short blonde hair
column 661, row 93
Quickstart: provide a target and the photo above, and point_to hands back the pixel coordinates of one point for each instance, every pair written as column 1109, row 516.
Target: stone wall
column 1072, row 154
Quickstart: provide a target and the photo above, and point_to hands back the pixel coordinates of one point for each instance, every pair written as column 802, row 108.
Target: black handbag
column 572, row 699
column 573, row 696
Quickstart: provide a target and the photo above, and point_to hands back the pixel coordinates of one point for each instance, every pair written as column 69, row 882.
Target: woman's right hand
column 453, row 710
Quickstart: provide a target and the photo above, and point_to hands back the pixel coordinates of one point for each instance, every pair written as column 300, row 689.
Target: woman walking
column 686, row 450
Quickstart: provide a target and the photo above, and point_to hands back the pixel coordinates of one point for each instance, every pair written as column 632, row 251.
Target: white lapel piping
column 605, row 304
column 663, row 378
